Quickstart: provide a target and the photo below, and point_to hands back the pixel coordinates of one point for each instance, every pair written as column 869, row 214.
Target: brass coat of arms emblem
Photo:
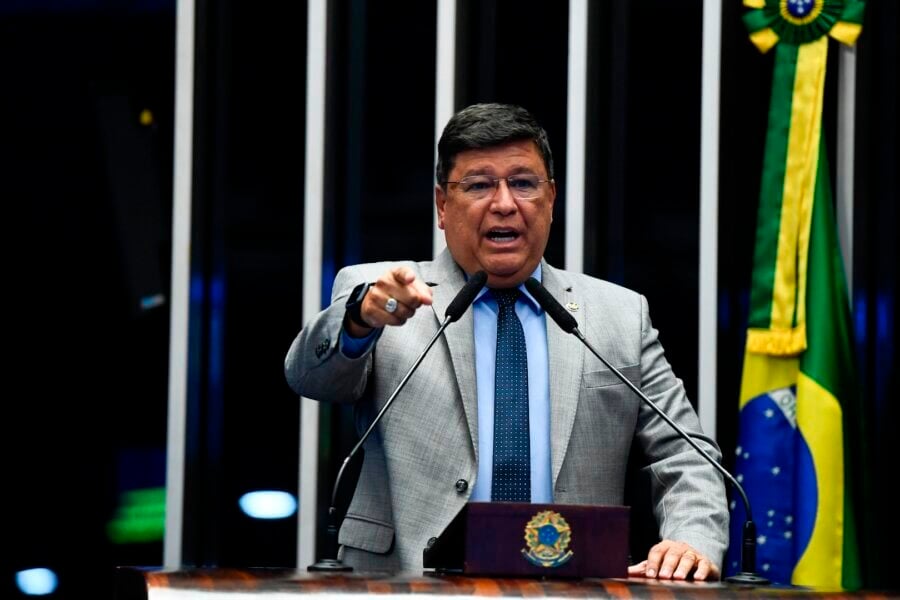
column 547, row 535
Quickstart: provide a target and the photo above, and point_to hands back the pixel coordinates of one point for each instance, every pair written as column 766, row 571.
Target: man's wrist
column 353, row 315
column 355, row 330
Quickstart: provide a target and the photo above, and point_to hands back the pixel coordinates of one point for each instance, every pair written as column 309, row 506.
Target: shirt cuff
column 353, row 347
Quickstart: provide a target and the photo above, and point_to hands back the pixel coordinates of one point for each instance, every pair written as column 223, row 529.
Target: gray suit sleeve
column 314, row 366
column 689, row 496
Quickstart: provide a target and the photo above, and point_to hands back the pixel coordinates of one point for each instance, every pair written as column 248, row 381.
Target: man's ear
column 440, row 200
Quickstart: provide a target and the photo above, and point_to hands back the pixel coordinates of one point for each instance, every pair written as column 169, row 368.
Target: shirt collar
column 525, row 293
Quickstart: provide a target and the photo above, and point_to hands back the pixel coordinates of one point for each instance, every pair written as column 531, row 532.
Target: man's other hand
column 675, row 560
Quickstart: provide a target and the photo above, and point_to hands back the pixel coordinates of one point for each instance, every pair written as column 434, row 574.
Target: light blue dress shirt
column 535, row 328
column 534, row 325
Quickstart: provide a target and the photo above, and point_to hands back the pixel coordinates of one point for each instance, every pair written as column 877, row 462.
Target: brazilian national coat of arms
column 547, row 535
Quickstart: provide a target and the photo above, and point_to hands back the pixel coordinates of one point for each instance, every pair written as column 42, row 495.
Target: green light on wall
column 140, row 518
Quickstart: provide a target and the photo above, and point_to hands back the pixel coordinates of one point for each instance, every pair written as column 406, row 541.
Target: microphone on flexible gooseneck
column 455, row 310
column 567, row 323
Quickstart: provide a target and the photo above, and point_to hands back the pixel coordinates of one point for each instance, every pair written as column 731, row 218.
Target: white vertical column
column 576, row 115
column 179, row 305
column 317, row 23
column 444, row 87
column 846, row 147
column 709, row 215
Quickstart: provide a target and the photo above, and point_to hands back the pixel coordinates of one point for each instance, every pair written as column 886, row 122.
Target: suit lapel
column 566, row 358
column 448, row 279
column 566, row 354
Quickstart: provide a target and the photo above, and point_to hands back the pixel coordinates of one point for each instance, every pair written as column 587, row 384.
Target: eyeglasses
column 484, row 187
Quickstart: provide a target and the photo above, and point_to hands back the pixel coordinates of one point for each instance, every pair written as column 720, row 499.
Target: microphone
column 455, row 310
column 567, row 323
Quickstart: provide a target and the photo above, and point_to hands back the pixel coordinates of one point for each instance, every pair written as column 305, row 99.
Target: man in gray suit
column 460, row 431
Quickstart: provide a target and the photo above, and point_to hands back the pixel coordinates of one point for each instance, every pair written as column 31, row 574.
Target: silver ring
column 390, row 305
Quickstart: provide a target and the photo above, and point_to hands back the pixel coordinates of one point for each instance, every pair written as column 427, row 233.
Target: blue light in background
column 36, row 582
column 152, row 301
column 860, row 306
column 268, row 504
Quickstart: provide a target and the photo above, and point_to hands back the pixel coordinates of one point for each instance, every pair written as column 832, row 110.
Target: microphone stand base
column 329, row 565
column 747, row 579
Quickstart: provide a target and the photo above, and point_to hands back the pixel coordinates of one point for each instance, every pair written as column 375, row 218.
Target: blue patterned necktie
column 512, row 464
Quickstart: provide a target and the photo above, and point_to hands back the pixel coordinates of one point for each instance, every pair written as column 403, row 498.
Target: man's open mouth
column 502, row 235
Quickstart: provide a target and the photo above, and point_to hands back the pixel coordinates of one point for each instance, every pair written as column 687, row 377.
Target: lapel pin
column 572, row 306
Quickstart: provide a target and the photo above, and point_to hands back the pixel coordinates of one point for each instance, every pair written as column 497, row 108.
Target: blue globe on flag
column 774, row 464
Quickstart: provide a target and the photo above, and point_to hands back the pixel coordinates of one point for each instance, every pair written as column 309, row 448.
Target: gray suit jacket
column 427, row 441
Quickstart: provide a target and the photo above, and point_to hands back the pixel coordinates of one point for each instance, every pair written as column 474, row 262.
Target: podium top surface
column 238, row 584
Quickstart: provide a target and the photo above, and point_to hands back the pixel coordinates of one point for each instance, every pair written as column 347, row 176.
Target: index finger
column 423, row 291
column 403, row 275
column 413, row 285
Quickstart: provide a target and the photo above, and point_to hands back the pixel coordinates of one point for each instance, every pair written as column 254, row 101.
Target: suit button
column 432, row 541
column 462, row 485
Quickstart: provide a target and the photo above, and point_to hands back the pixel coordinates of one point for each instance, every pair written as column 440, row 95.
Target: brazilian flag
column 800, row 430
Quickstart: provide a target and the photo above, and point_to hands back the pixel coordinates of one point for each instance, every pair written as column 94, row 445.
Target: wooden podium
column 238, row 584
column 511, row 539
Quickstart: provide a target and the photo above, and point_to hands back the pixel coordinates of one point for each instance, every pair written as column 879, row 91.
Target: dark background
column 87, row 189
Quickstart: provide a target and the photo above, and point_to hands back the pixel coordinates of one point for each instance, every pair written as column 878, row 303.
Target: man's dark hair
column 487, row 125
